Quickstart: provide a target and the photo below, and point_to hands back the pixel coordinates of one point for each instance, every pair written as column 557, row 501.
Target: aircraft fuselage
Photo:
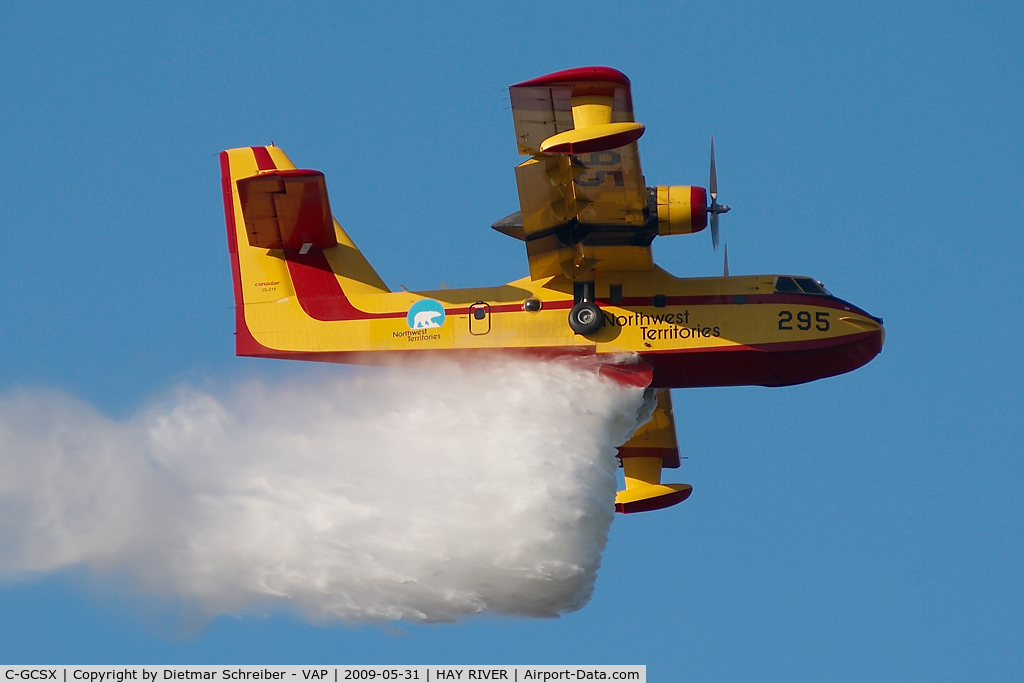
column 694, row 332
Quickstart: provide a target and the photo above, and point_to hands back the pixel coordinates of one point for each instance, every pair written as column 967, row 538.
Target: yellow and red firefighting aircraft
column 304, row 291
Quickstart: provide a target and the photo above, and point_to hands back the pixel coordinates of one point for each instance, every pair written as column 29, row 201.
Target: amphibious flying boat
column 587, row 219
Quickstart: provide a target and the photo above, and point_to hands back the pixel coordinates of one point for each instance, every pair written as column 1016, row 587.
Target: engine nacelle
column 681, row 209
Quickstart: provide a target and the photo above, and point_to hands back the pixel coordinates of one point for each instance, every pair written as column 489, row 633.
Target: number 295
column 803, row 320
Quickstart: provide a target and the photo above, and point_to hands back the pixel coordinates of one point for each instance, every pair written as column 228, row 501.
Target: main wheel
column 585, row 318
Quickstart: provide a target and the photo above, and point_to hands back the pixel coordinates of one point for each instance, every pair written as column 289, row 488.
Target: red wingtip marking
column 582, row 74
column 659, row 503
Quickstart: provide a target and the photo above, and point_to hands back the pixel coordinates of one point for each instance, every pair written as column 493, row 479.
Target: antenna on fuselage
column 726, row 269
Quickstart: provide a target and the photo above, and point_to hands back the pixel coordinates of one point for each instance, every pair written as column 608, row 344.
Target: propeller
column 715, row 207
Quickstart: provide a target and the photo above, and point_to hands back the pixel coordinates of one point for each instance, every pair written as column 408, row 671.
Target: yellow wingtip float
column 304, row 291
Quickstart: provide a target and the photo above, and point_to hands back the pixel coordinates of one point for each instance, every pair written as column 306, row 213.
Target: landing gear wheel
column 585, row 318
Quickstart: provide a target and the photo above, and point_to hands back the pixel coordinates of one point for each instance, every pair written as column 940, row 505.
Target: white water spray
column 415, row 494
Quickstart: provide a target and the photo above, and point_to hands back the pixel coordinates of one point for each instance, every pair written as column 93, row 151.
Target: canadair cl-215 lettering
column 587, row 218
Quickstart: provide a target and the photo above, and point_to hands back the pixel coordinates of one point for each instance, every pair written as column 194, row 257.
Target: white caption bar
column 323, row 674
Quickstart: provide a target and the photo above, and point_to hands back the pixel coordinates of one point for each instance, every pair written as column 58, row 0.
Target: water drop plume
column 421, row 494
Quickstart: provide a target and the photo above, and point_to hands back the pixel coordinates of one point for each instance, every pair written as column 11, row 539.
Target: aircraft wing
column 652, row 448
column 583, row 182
column 583, row 200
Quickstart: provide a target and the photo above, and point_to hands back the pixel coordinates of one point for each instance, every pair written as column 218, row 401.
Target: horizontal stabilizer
column 287, row 209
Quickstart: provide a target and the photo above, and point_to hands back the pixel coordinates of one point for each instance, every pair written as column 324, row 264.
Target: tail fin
column 291, row 262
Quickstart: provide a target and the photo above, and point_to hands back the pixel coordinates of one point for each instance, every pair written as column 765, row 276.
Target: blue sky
column 865, row 527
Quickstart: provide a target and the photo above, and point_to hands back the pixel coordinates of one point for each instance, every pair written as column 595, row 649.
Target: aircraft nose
column 873, row 325
column 881, row 332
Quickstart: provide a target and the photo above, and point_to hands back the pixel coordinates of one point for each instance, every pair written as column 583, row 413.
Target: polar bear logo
column 425, row 314
column 426, row 319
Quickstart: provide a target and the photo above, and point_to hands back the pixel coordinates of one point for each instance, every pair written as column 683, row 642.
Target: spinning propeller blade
column 715, row 207
column 713, row 185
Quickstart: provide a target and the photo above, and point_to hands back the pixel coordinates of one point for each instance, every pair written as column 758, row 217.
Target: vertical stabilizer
column 291, row 262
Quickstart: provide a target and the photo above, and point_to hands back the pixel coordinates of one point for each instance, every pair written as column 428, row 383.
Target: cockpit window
column 799, row 285
column 810, row 286
column 786, row 284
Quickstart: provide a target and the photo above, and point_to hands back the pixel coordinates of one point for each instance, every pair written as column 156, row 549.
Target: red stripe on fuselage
column 319, row 292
